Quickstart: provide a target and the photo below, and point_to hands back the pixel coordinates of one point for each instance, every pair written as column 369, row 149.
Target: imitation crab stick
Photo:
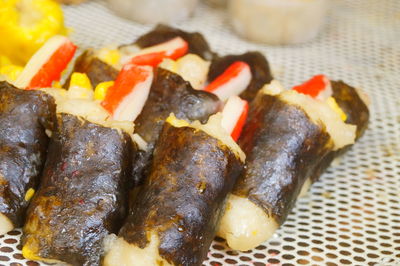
column 318, row 87
column 47, row 64
column 234, row 116
column 126, row 98
column 233, row 81
column 153, row 55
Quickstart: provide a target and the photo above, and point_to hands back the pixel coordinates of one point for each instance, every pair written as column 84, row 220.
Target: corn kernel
column 101, row 90
column 80, row 80
column 334, row 106
column 29, row 194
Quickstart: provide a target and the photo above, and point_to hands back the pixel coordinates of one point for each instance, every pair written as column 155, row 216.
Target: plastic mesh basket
column 352, row 215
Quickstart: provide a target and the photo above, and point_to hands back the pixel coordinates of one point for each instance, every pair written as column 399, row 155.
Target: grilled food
column 83, row 194
column 24, row 118
column 176, row 213
column 287, row 139
column 169, row 93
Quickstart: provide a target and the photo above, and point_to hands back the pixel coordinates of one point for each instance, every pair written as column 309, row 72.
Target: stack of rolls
column 143, row 168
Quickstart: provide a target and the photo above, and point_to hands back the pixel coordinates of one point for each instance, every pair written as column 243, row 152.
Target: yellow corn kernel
column 80, row 80
column 101, row 90
column 334, row 106
column 29, row 194
column 10, row 72
column 110, row 56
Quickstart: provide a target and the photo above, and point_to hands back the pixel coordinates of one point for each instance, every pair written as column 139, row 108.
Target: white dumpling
column 278, row 21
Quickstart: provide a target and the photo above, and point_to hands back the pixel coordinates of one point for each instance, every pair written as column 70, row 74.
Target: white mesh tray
column 352, row 215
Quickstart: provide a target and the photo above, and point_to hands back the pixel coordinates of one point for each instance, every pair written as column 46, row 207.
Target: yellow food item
column 80, row 87
column 190, row 67
column 4, row 61
column 56, row 84
column 27, row 24
column 80, row 80
column 110, row 56
column 335, row 107
column 29, row 254
column 29, row 194
column 10, row 73
column 170, row 65
column 101, row 90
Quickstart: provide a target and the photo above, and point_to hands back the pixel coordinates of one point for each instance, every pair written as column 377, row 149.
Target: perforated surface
column 352, row 215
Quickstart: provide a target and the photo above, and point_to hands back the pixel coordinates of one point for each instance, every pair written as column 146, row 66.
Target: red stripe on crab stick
column 234, row 116
column 47, row 64
column 318, row 87
column 154, row 55
column 233, row 81
column 126, row 98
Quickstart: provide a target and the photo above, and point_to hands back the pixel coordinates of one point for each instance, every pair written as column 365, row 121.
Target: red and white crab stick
column 154, row 55
column 126, row 98
column 318, row 87
column 47, row 64
column 233, row 81
column 234, row 116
